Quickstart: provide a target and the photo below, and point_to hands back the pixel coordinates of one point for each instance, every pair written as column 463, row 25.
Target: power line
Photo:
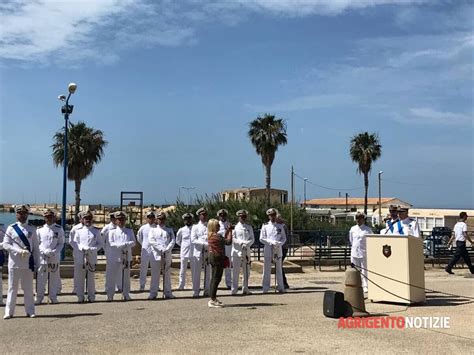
column 325, row 187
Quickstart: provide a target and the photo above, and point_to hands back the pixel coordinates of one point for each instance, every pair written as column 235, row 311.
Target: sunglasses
column 121, row 218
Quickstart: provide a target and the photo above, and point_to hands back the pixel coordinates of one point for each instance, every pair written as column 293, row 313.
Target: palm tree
column 365, row 149
column 266, row 134
column 85, row 150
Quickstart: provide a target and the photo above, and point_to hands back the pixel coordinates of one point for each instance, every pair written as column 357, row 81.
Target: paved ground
column 270, row 323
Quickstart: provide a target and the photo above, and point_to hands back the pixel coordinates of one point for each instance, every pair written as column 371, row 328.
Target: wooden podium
column 399, row 258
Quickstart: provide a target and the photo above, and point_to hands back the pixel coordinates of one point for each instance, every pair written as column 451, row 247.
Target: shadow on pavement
column 69, row 315
column 253, row 305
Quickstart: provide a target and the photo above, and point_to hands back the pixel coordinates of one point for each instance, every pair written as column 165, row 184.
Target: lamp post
column 380, row 197
column 187, row 188
column 304, row 191
column 66, row 110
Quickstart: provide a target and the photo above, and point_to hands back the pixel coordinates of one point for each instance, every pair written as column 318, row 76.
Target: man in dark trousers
column 460, row 236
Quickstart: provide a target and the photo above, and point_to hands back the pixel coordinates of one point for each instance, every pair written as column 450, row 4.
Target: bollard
column 353, row 293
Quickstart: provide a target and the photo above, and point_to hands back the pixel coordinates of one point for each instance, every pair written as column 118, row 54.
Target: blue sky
column 174, row 84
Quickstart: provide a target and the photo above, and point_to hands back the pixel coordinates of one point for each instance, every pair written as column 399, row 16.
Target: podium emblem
column 387, row 250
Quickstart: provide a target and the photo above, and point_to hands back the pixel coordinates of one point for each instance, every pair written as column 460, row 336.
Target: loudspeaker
column 333, row 305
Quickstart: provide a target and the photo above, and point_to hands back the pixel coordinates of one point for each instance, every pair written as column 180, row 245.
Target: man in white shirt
column 199, row 258
column 146, row 251
column 409, row 225
column 2, row 261
column 21, row 243
column 223, row 226
column 183, row 239
column 242, row 239
column 392, row 221
column 121, row 241
column 51, row 242
column 358, row 247
column 273, row 236
column 460, row 236
column 162, row 240
column 85, row 241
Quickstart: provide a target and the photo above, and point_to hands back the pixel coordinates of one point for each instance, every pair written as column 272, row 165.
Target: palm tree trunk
column 77, row 190
column 366, row 184
column 268, row 178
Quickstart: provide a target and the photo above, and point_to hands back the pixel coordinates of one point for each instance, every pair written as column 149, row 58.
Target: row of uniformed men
column 32, row 249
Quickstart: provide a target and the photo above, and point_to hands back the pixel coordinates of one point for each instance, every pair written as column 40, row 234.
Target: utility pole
column 304, row 193
column 347, row 195
column 292, row 201
column 380, row 197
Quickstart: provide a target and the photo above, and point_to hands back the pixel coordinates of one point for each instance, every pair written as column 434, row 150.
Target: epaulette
column 11, row 225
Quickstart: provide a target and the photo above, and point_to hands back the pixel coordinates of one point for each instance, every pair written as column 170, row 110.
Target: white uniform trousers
column 157, row 276
column 267, row 270
column 114, row 268
column 54, row 283
column 228, row 271
column 236, row 264
column 182, row 271
column 1, row 286
column 14, row 278
column 145, row 260
column 361, row 263
column 196, row 268
column 80, row 280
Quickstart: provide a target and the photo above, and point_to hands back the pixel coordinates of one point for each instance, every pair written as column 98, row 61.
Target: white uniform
column 242, row 239
column 2, row 233
column 162, row 240
column 228, row 252
column 183, row 239
column 410, row 227
column 199, row 258
column 121, row 241
column 51, row 242
column 273, row 236
column 359, row 251
column 85, row 242
column 19, row 266
column 104, row 234
column 146, row 252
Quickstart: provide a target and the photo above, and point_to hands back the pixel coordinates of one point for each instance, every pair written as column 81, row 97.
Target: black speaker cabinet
column 334, row 305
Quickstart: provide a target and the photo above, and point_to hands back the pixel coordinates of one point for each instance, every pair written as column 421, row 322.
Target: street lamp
column 304, row 189
column 187, row 188
column 380, row 197
column 66, row 110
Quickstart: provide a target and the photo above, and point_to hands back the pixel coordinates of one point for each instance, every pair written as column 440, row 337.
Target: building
column 247, row 194
column 354, row 204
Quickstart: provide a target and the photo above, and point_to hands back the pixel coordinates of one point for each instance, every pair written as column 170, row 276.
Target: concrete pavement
column 260, row 323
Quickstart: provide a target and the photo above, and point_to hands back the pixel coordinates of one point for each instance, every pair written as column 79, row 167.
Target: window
column 429, row 223
column 421, row 222
column 439, row 222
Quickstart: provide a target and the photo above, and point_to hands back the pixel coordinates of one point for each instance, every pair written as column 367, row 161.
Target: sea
column 7, row 218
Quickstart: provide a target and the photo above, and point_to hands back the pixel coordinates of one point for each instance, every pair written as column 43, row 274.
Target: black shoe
column 449, row 271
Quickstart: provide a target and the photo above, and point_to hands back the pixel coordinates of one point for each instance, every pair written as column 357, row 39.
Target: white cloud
column 426, row 115
column 394, row 77
column 61, row 30
column 307, row 103
column 320, row 7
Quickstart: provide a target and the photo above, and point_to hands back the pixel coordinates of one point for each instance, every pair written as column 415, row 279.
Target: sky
column 174, row 84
